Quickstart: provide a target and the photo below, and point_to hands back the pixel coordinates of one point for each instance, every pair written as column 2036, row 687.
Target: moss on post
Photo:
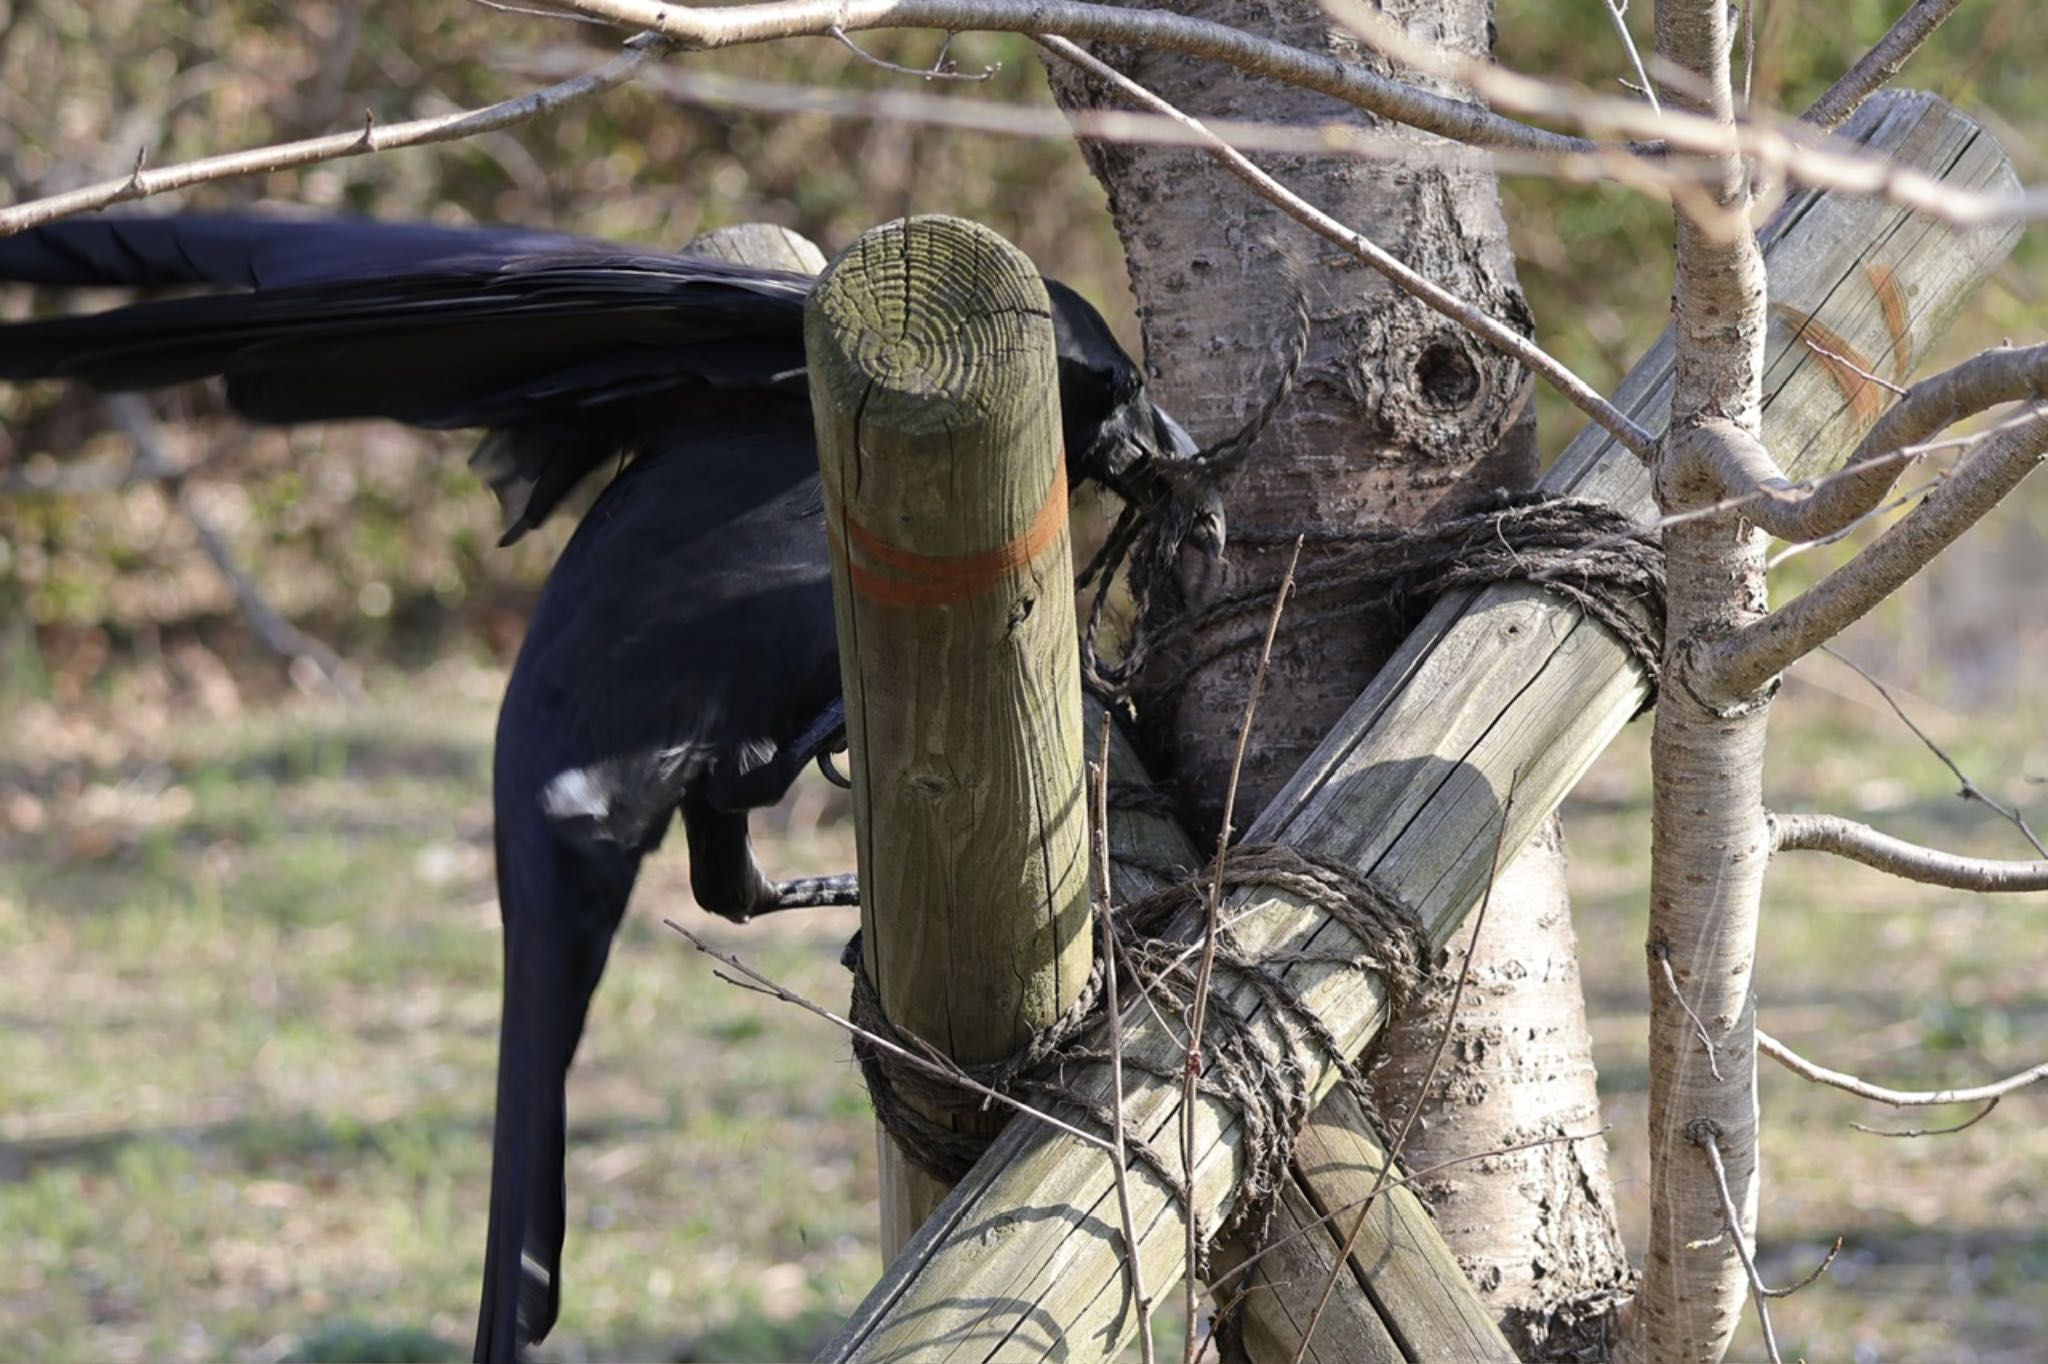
column 932, row 383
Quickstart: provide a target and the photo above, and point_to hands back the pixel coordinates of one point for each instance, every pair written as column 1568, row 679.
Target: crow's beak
column 1172, row 438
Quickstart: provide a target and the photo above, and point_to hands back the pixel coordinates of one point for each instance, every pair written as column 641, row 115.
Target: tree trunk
column 1398, row 416
column 1518, row 1067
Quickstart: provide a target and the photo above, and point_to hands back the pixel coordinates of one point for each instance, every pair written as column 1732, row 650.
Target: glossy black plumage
column 682, row 658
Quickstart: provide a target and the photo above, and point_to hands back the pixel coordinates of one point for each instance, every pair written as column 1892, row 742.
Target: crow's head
column 1116, row 437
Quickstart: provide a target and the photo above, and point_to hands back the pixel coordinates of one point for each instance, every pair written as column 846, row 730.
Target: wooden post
column 1504, row 688
column 1403, row 1296
column 930, row 349
column 762, row 244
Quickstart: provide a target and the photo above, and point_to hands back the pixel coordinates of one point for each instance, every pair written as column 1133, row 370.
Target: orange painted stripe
column 945, row 579
column 1848, row 367
column 1884, row 282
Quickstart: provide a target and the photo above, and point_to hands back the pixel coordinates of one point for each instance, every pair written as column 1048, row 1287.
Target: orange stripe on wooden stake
column 945, row 579
column 1884, row 282
column 1850, row 369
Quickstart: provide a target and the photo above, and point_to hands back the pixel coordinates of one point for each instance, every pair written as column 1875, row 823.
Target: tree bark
column 1535, row 1229
column 1709, row 838
column 1397, row 416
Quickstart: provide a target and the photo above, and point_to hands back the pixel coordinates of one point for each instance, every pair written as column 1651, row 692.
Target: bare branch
column 1662, row 954
column 1965, row 1125
column 712, row 27
column 1789, row 1289
column 1776, row 151
column 1479, row 323
column 1212, row 928
column 1619, row 14
column 641, row 52
column 1705, row 1135
column 941, row 69
column 1744, row 470
column 1861, row 843
column 1744, row 660
column 1878, row 65
column 1897, row 1098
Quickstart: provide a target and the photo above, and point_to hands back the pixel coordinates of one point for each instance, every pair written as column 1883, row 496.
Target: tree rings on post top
column 914, row 309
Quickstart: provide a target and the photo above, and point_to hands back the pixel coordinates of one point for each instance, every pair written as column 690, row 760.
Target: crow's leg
column 728, row 881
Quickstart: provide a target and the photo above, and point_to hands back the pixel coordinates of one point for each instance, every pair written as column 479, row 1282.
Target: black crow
column 682, row 659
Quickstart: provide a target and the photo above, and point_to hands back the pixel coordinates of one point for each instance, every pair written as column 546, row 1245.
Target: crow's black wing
column 260, row 250
column 568, row 354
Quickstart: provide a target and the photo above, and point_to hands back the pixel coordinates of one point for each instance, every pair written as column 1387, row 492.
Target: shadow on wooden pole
column 930, row 348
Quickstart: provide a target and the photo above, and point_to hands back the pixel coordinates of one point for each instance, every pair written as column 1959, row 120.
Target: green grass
column 250, row 1026
column 250, row 1014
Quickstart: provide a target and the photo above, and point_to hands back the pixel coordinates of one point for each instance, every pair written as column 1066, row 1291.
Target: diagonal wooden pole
column 1403, row 1296
column 1507, row 686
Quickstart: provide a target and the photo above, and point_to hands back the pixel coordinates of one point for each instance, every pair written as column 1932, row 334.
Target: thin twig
column 1748, row 50
column 1663, row 955
column 1795, row 548
column 1963, row 1126
column 931, row 1064
column 641, row 52
column 941, row 69
column 1212, row 911
column 1897, row 1098
column 1970, row 790
column 1422, row 1091
column 1619, row 14
column 1878, row 65
column 1705, row 1135
column 1931, row 866
column 1113, row 1015
column 1789, row 1289
column 295, row 646
column 1475, row 320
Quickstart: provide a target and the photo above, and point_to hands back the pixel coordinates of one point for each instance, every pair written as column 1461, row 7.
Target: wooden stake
column 932, row 382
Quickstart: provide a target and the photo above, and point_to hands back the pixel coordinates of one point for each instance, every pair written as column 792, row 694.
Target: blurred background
column 246, row 916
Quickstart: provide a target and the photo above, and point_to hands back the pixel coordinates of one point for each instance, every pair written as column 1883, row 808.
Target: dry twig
column 1114, row 1018
column 1212, row 913
column 932, row 1063
column 1897, row 1098
column 1706, row 1136
column 1969, row 789
column 1861, row 843
column 1663, row 955
column 641, row 52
